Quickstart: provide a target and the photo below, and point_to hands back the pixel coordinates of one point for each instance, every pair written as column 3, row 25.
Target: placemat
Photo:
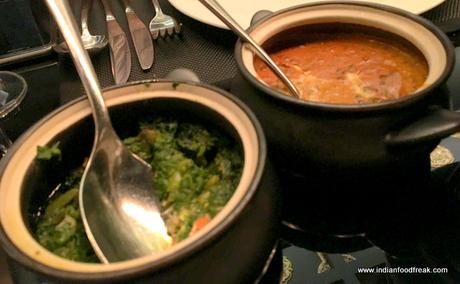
column 206, row 50
column 446, row 16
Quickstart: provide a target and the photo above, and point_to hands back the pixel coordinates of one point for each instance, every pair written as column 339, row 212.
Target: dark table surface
column 208, row 51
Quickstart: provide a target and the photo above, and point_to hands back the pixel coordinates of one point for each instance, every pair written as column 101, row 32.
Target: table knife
column 120, row 55
column 141, row 37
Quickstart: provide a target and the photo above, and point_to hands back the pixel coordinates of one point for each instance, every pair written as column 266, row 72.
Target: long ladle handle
column 65, row 20
column 220, row 12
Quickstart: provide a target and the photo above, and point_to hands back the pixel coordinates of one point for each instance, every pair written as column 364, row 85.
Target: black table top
column 208, row 51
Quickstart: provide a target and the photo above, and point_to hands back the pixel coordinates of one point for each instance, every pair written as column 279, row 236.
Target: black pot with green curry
column 220, row 199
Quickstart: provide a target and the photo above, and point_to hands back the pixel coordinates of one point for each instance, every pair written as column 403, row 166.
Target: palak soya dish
column 196, row 171
column 348, row 64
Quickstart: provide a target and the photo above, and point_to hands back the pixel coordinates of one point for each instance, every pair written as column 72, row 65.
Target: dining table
column 308, row 256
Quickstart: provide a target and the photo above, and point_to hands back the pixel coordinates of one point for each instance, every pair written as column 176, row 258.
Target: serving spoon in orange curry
column 223, row 15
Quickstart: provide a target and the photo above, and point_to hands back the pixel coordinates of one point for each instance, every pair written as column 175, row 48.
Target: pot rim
column 170, row 259
column 353, row 108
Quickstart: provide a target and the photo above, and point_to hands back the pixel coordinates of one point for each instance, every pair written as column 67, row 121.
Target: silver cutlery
column 120, row 55
column 141, row 37
column 92, row 43
column 162, row 24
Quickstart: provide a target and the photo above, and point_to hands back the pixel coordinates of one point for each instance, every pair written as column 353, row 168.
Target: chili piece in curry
column 353, row 65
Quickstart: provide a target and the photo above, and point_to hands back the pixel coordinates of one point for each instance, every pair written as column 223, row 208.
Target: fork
column 162, row 24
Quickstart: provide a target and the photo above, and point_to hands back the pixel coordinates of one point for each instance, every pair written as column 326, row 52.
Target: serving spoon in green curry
column 120, row 214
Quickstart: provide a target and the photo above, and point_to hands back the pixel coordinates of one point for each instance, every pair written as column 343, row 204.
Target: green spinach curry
column 196, row 171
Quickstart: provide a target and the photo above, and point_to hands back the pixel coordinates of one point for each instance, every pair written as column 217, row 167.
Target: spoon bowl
column 92, row 43
column 116, row 197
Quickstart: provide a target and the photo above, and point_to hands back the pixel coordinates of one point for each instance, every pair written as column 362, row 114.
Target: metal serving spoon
column 119, row 211
column 220, row 12
column 92, row 43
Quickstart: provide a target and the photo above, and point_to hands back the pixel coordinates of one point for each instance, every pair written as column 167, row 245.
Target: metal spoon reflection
column 92, row 43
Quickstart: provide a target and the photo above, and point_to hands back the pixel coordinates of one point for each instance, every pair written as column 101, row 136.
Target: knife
column 141, row 37
column 120, row 55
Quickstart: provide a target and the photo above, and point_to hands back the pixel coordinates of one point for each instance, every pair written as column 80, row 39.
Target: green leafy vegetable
column 60, row 228
column 47, row 153
column 196, row 171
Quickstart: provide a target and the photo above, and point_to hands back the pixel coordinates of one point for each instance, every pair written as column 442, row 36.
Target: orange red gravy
column 348, row 68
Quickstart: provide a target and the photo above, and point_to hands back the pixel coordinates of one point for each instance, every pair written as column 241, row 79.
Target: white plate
column 243, row 10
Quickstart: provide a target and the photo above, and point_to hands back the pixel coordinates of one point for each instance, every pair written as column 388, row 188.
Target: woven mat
column 206, row 50
column 445, row 14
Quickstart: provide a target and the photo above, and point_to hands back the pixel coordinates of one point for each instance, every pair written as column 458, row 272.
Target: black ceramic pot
column 233, row 248
column 353, row 146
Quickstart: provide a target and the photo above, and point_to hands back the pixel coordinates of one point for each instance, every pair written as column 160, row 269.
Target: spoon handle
column 85, row 6
column 63, row 16
column 157, row 7
column 220, row 12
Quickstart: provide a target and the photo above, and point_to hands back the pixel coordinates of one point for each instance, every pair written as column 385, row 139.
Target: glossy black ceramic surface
column 417, row 229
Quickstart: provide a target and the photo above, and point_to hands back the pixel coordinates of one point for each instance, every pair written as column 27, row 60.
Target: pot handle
column 436, row 125
column 259, row 15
